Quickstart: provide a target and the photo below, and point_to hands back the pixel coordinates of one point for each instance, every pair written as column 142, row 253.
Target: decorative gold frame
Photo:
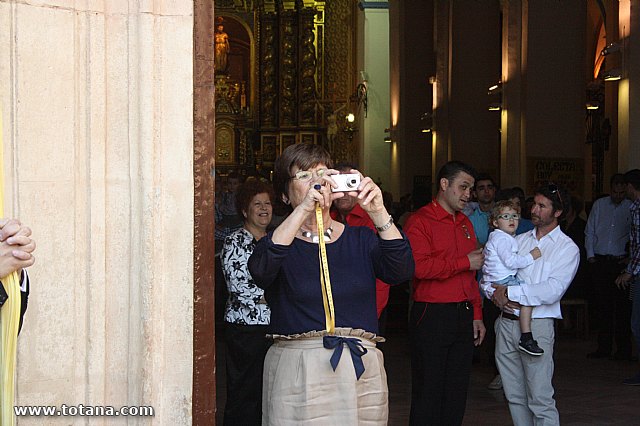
column 287, row 139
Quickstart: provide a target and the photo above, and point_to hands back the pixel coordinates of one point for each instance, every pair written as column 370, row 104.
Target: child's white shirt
column 501, row 257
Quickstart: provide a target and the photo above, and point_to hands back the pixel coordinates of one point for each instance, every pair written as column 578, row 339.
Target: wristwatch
column 386, row 225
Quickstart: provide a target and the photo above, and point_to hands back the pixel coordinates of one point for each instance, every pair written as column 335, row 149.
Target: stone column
column 512, row 143
column 543, row 93
column 441, row 143
column 628, row 87
column 98, row 104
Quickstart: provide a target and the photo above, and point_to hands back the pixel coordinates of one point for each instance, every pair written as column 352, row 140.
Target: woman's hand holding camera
column 369, row 196
column 320, row 192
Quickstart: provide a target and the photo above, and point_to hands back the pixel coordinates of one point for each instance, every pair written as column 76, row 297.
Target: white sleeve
column 510, row 257
column 590, row 231
column 487, row 288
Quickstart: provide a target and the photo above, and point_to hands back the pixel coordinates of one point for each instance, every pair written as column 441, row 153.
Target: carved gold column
column 308, row 63
column 268, row 69
column 288, row 68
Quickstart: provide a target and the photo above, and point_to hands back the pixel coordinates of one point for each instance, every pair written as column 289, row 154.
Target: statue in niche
column 332, row 129
column 221, row 56
column 332, row 125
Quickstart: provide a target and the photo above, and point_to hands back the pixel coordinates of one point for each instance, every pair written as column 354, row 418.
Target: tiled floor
column 588, row 392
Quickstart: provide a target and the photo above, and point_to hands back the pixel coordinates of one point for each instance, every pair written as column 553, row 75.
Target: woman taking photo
column 246, row 313
column 308, row 377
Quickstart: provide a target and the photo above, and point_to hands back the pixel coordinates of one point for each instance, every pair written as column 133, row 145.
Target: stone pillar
column 97, row 100
column 374, row 62
column 543, row 92
column 512, row 143
column 441, row 143
column 628, row 87
column 475, row 65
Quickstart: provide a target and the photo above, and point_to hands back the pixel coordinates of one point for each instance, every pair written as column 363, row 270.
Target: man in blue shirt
column 606, row 237
column 485, row 190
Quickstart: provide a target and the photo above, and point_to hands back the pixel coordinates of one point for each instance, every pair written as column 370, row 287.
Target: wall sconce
column 387, row 138
column 495, row 92
column 360, row 96
column 612, row 75
column 610, row 48
column 426, row 122
column 592, row 105
column 495, row 89
column 349, row 126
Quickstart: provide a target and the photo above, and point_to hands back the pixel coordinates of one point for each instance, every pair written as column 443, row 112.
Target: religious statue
column 221, row 54
column 332, row 129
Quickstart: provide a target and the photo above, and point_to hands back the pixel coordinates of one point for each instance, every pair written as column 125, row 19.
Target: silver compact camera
column 346, row 183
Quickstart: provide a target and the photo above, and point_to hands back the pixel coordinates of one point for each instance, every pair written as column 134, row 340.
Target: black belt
column 465, row 304
column 507, row 315
column 609, row 257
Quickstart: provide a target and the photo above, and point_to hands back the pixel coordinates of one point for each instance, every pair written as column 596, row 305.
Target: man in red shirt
column 446, row 316
column 347, row 210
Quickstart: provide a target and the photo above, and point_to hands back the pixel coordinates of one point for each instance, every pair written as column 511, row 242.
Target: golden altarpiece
column 284, row 72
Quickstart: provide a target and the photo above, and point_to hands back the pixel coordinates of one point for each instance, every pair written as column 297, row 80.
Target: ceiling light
column 592, row 105
column 495, row 106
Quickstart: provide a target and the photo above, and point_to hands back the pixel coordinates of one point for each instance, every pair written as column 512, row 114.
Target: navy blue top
column 290, row 276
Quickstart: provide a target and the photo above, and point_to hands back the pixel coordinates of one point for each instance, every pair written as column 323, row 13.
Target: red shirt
column 358, row 217
column 440, row 243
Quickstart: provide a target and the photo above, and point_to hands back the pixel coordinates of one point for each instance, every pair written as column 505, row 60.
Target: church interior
column 525, row 91
column 122, row 120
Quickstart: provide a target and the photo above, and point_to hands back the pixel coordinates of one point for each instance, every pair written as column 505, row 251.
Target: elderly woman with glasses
column 322, row 293
column 246, row 313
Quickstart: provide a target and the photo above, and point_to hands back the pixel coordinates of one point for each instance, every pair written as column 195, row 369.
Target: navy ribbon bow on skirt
column 355, row 347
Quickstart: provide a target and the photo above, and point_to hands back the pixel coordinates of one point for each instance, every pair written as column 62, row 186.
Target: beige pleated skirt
column 301, row 388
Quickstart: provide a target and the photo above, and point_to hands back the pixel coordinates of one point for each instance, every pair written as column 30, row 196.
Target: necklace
column 314, row 237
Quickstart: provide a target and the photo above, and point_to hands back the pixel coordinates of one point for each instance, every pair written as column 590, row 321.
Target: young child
column 502, row 261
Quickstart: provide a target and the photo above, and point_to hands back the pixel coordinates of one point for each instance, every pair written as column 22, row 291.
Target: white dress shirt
column 608, row 228
column 501, row 258
column 548, row 278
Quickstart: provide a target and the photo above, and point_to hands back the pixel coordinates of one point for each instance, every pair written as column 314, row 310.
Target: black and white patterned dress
column 246, row 304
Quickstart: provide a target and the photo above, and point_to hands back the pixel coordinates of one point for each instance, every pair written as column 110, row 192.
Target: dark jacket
column 24, row 297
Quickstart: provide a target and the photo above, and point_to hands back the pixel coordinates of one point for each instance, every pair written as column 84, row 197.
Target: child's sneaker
column 531, row 347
